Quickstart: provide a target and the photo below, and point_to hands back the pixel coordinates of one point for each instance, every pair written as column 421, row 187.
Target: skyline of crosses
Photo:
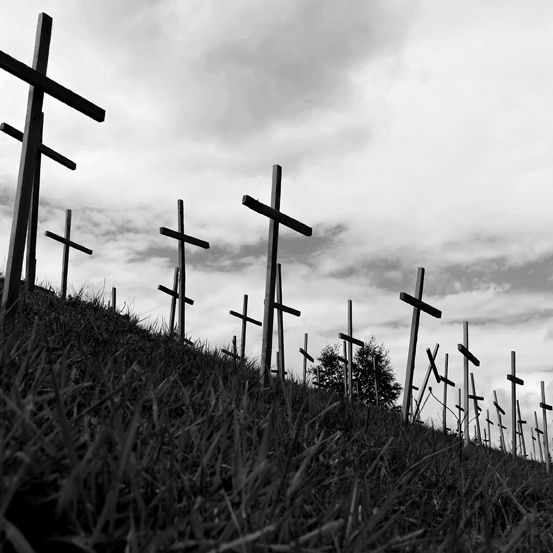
column 40, row 85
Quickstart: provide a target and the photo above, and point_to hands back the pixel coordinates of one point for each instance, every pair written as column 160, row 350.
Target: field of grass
column 117, row 438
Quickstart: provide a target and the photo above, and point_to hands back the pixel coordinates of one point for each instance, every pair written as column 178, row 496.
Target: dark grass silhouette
column 117, row 438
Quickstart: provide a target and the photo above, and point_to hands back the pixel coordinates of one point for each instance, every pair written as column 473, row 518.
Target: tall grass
column 117, row 438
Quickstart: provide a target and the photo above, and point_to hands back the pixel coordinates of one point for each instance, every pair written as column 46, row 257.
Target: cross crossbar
column 245, row 318
column 50, row 87
column 464, row 351
column 419, row 304
column 48, row 152
column 459, row 407
column 174, row 294
column 350, row 339
column 515, row 379
column 489, row 421
column 69, row 243
column 477, row 398
column 306, row 355
column 231, row 354
column 276, row 215
column 545, row 406
column 286, row 309
column 447, row 381
column 414, row 387
column 184, row 238
column 433, row 364
column 498, row 407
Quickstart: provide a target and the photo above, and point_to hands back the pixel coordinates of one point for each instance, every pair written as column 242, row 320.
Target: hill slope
column 116, row 438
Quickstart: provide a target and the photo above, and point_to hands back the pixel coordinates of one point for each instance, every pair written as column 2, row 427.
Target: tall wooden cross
column 514, row 381
column 67, row 243
column 182, row 239
column 350, row 340
column 475, row 400
column 281, row 308
column 545, row 407
column 467, row 356
column 521, row 432
column 460, row 410
column 418, row 306
column 499, row 412
column 447, row 383
column 276, row 218
column 174, row 293
column 32, row 139
column 431, row 368
column 306, row 357
column 538, row 432
column 245, row 320
column 490, row 422
column 30, row 273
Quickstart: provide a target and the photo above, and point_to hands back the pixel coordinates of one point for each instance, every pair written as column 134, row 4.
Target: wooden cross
column 306, row 357
column 545, row 407
column 32, row 139
column 245, row 321
column 460, row 410
column 281, row 373
column 174, row 293
column 486, row 439
column 538, row 432
column 499, row 412
column 281, row 308
column 447, row 383
column 233, row 353
column 533, row 444
column 475, row 400
column 521, row 432
column 350, row 340
column 67, row 243
column 431, row 368
column 30, row 274
column 182, row 239
column 467, row 356
column 514, row 381
column 276, row 218
column 418, row 306
column 489, row 429
column 113, row 299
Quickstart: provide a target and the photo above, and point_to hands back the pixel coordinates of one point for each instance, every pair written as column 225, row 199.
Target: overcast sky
column 410, row 134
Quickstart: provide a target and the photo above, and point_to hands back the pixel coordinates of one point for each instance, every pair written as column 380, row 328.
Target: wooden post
column 233, row 353
column 113, row 299
column 67, row 243
column 418, row 306
column 475, row 400
column 499, row 412
column 183, row 239
column 345, row 361
column 460, row 410
column 245, row 321
column 467, row 356
column 533, row 444
column 520, row 423
column 40, row 85
column 514, row 381
column 431, row 368
column 350, row 340
column 538, row 432
column 174, row 293
column 447, row 383
column 545, row 407
column 490, row 422
column 306, row 356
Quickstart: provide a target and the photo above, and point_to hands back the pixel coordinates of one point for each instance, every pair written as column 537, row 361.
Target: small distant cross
column 468, row 356
column 276, row 218
column 538, row 432
column 182, row 240
column 514, row 381
column 350, row 340
column 232, row 353
column 306, row 357
column 67, row 243
column 520, row 423
column 489, row 429
column 32, row 140
column 477, row 409
column 460, row 410
column 174, row 293
column 545, row 407
column 500, row 412
column 245, row 321
column 447, row 383
column 418, row 306
column 431, row 368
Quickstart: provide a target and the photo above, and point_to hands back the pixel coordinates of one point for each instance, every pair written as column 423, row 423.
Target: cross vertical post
column 431, row 368
column 514, row 381
column 460, row 409
column 447, row 383
column 538, row 432
column 345, row 361
column 545, row 407
column 500, row 411
column 520, row 423
column 350, row 340
column 418, row 306
column 306, row 356
column 475, row 400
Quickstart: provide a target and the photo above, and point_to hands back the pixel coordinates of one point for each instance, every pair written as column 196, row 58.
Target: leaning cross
column 245, row 320
column 514, row 381
column 40, row 85
column 545, row 407
column 276, row 217
column 183, row 239
column 468, row 356
column 350, row 340
column 30, row 273
column 281, row 308
column 499, row 412
column 418, row 306
column 521, row 432
column 174, row 293
column 538, row 432
column 66, row 241
column 475, row 400
column 431, row 368
column 306, row 357
column 447, row 383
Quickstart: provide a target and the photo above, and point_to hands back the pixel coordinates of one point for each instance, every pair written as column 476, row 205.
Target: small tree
column 331, row 371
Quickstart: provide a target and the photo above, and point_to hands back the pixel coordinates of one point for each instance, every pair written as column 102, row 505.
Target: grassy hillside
column 116, row 438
